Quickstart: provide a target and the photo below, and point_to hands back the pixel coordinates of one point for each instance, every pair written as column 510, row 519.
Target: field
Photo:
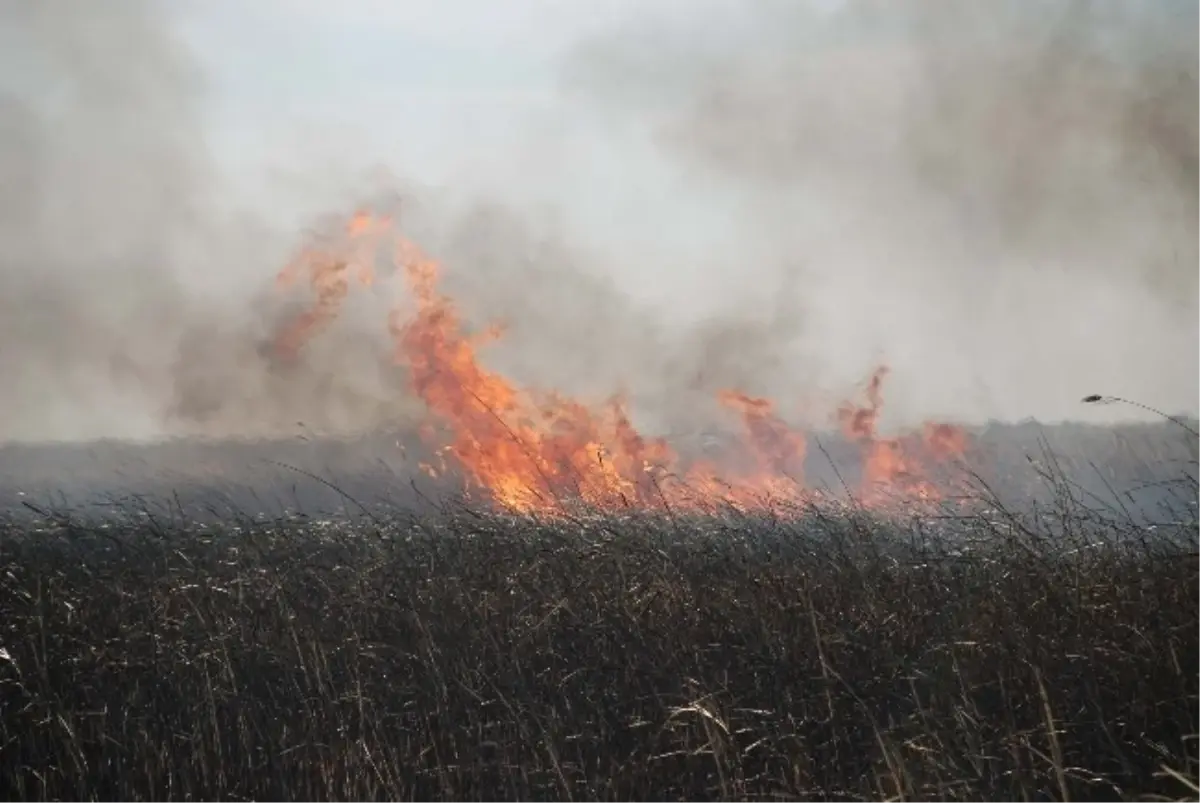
column 1038, row 643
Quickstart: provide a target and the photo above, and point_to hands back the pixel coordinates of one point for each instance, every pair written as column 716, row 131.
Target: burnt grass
column 1048, row 653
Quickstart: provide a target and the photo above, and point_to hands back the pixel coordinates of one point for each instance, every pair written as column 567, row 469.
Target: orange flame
column 525, row 451
column 328, row 270
column 530, row 451
column 894, row 467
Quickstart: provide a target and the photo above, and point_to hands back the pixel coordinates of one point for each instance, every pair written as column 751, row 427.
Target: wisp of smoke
column 999, row 200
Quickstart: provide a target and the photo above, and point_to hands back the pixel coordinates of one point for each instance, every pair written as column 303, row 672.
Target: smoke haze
column 998, row 201
column 133, row 304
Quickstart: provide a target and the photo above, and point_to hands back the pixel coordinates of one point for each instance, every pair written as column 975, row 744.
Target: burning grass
column 527, row 447
column 794, row 652
column 637, row 624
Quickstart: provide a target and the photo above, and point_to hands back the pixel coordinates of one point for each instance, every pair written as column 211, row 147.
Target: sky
column 433, row 89
column 478, row 96
column 464, row 95
column 469, row 96
column 997, row 201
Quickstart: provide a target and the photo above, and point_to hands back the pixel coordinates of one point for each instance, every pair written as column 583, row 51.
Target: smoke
column 99, row 177
column 999, row 200
column 135, row 302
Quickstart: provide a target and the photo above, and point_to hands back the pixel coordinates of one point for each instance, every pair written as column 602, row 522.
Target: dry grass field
column 1039, row 646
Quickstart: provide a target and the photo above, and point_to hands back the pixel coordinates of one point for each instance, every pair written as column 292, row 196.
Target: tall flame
column 329, row 268
column 531, row 451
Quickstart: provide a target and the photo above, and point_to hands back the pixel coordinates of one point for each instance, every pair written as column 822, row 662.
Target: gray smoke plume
column 999, row 200
column 130, row 306
column 135, row 304
column 100, row 172
column 996, row 200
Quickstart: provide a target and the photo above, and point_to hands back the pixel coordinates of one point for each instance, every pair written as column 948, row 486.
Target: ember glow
column 533, row 450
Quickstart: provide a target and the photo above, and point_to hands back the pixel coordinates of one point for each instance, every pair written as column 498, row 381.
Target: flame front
column 532, row 451
column 526, row 451
column 894, row 468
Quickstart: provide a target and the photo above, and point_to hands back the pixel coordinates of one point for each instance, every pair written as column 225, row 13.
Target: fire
column 524, row 453
column 329, row 268
column 894, row 467
column 530, row 450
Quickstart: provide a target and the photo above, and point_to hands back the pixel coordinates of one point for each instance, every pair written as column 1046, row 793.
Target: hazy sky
column 482, row 97
column 998, row 200
column 435, row 90
column 465, row 94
